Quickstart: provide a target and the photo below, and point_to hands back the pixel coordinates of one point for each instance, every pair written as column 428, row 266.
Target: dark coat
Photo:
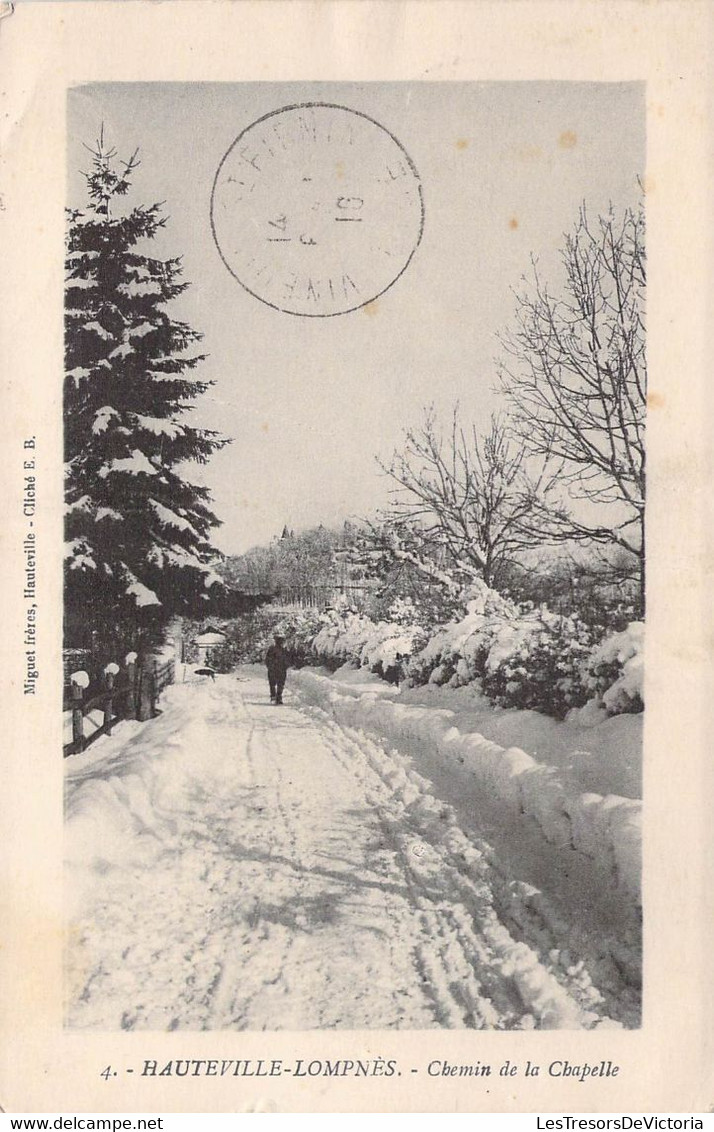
column 276, row 659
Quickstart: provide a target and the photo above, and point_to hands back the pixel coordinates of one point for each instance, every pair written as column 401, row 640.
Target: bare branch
column 575, row 376
column 467, row 494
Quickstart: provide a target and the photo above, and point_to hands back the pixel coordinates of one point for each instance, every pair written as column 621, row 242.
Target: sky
column 311, row 403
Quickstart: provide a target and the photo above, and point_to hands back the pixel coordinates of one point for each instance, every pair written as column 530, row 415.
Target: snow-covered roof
column 212, row 638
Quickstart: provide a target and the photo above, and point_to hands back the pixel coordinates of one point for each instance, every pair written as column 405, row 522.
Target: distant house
column 208, row 639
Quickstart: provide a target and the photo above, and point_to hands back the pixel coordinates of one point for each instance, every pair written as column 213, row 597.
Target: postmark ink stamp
column 316, row 209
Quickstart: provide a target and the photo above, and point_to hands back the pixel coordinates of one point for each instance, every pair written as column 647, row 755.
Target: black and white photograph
column 354, row 600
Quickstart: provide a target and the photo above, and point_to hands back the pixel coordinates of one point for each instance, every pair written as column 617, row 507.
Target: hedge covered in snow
column 524, row 658
column 518, row 656
column 381, row 646
column 615, row 671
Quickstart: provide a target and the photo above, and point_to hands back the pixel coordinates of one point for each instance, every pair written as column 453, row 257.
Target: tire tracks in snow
column 229, row 1003
column 278, row 871
column 341, row 747
column 504, row 981
column 279, row 752
column 442, row 955
column 279, row 959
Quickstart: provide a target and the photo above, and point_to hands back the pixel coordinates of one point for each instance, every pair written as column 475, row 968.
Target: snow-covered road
column 232, row 865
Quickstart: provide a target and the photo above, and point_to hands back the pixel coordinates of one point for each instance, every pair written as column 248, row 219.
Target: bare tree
column 464, row 493
column 575, row 376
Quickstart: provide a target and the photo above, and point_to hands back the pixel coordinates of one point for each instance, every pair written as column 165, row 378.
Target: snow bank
column 602, row 753
column 112, row 791
column 606, row 828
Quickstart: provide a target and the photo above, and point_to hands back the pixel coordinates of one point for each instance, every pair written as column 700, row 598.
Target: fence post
column 110, row 672
column 78, row 681
column 130, row 662
column 144, row 698
column 154, row 686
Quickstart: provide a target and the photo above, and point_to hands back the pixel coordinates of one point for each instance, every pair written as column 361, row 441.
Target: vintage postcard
column 356, row 446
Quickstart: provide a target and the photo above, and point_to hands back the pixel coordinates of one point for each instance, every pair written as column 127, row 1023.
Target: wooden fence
column 133, row 696
column 314, row 596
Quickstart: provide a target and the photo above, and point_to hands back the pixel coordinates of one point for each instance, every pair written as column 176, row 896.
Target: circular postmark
column 316, row 209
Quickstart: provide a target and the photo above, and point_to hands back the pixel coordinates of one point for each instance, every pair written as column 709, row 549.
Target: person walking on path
column 276, row 660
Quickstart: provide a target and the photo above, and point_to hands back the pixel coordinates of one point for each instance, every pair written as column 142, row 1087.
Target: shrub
column 456, row 653
column 614, row 671
column 517, row 655
column 543, row 672
column 298, row 627
column 383, row 647
column 223, row 658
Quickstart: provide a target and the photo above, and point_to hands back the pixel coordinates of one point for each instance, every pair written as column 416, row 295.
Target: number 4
column 106, row 1073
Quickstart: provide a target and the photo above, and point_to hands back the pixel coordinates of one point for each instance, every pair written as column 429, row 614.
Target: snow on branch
column 574, row 373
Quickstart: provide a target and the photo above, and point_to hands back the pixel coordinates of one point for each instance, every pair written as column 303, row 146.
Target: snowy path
column 237, row 866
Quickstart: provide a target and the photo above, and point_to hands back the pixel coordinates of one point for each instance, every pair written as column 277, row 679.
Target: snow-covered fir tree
column 138, row 532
